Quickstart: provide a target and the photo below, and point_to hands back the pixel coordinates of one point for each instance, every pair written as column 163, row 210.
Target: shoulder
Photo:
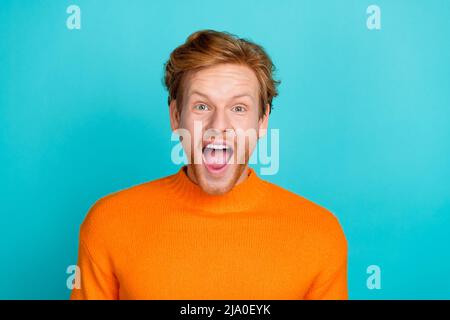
column 114, row 210
column 320, row 223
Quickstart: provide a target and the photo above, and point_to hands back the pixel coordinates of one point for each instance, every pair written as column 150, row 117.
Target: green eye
column 201, row 107
column 239, row 109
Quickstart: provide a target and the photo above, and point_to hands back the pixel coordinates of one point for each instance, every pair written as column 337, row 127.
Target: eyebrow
column 234, row 97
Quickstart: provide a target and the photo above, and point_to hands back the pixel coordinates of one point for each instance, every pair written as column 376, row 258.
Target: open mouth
column 216, row 156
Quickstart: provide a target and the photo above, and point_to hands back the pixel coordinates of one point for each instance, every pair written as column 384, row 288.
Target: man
column 214, row 229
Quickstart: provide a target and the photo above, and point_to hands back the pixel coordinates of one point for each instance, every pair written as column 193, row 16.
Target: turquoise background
column 363, row 118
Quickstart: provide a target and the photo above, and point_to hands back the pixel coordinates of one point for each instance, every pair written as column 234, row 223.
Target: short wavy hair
column 206, row 48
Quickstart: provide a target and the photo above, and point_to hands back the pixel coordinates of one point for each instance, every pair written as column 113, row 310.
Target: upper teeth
column 217, row 146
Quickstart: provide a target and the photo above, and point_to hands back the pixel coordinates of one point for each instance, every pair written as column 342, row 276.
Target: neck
column 248, row 193
column 242, row 177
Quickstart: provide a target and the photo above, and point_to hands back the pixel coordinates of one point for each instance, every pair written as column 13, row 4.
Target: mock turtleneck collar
column 243, row 196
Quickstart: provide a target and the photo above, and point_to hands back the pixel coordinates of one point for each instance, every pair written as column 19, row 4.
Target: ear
column 263, row 123
column 174, row 115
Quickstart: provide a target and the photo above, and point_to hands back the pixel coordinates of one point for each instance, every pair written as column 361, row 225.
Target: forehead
column 223, row 80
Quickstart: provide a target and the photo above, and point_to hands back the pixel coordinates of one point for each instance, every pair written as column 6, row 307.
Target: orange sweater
column 167, row 239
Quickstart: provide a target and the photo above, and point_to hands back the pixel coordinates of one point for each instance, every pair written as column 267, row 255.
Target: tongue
column 215, row 158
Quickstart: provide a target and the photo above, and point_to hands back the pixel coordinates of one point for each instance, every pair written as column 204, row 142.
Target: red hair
column 208, row 48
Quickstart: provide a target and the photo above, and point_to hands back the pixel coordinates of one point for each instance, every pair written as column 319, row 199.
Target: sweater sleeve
column 331, row 281
column 97, row 278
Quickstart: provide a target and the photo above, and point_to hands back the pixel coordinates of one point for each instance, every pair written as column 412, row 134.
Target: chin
column 217, row 183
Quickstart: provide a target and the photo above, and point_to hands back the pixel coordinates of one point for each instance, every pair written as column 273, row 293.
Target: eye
column 201, row 107
column 238, row 108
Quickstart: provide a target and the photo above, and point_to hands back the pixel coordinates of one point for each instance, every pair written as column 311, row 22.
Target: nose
column 219, row 121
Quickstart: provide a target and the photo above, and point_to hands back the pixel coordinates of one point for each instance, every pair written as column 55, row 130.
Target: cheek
column 195, row 127
column 191, row 120
column 187, row 122
column 246, row 121
column 249, row 126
